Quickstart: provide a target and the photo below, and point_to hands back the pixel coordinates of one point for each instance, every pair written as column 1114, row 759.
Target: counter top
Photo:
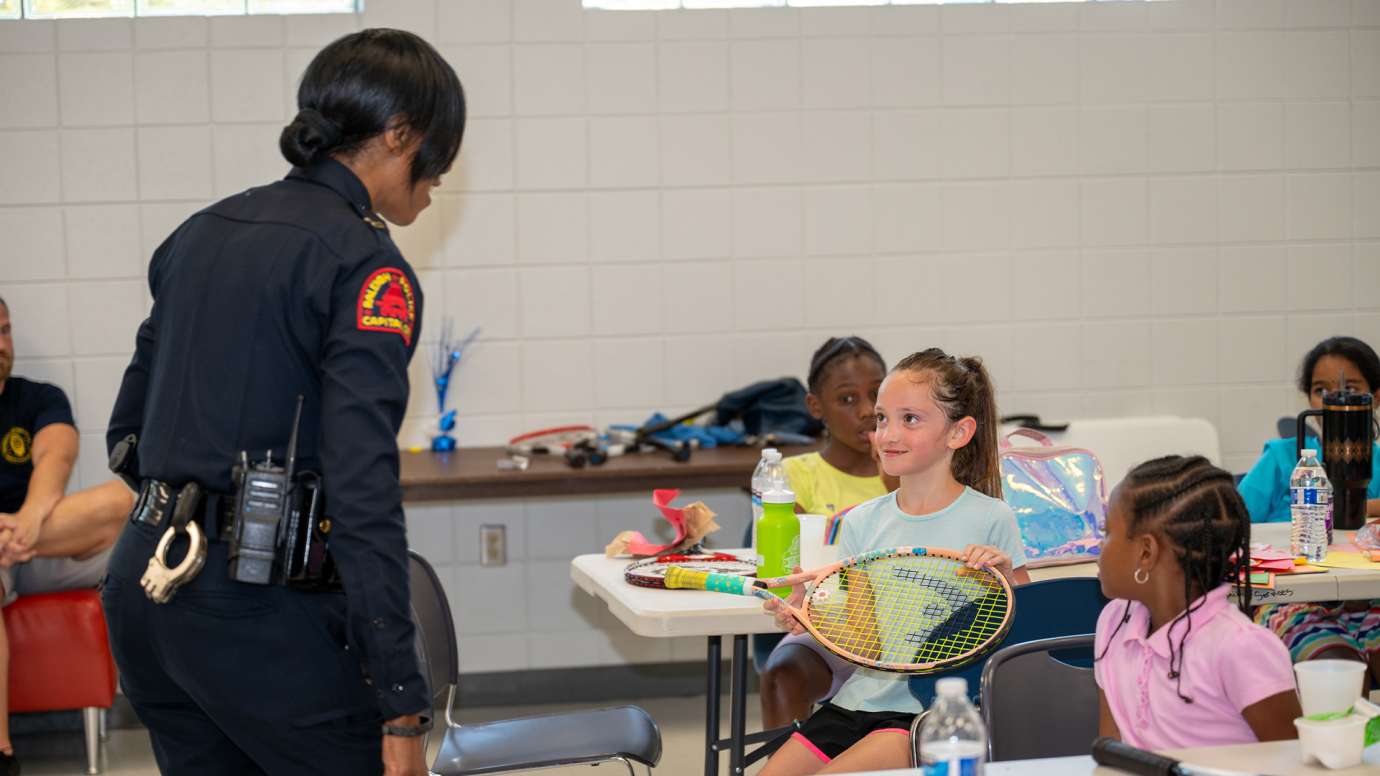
column 472, row 473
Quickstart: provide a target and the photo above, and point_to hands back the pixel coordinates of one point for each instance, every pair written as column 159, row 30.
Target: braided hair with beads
column 1195, row 506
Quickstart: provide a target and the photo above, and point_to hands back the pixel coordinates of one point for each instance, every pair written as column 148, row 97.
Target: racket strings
column 909, row 610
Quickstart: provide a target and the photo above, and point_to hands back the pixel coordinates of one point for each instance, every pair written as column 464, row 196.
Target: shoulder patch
column 387, row 303
column 17, row 445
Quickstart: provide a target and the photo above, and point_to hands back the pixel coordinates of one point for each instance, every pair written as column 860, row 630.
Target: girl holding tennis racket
column 937, row 431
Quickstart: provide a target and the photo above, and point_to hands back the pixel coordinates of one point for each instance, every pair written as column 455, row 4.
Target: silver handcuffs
column 160, row 583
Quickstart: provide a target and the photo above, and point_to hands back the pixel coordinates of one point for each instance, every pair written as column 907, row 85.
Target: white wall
column 1126, row 208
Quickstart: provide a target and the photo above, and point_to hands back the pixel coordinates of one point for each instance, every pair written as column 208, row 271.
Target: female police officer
column 291, row 289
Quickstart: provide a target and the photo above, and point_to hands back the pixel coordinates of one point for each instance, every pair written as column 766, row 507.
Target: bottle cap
column 771, row 454
column 779, row 496
column 951, row 687
column 1309, row 452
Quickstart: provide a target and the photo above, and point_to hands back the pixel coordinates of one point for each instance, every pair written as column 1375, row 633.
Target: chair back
column 1028, row 681
column 1044, row 610
column 435, row 628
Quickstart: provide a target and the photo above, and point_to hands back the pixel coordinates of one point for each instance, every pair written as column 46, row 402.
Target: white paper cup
column 1329, row 686
column 1336, row 743
column 812, row 541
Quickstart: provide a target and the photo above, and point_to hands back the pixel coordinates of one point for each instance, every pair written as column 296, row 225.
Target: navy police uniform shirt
column 26, row 408
column 286, row 289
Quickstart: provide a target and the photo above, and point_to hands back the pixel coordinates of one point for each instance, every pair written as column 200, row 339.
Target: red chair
column 60, row 660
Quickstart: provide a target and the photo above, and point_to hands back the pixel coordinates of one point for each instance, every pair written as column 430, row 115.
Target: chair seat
column 550, row 739
column 59, row 652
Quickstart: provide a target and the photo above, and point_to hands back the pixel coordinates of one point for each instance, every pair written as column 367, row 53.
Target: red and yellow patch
column 387, row 303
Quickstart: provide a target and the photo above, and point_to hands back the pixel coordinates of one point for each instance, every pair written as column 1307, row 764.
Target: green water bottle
column 778, row 537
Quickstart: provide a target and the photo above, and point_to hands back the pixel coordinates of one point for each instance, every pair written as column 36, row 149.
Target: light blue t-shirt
column 877, row 524
column 1265, row 488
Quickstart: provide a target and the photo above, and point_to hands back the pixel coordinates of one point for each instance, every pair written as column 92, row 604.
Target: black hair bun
column 309, row 138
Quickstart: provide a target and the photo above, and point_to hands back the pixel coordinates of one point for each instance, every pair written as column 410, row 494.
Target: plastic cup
column 812, row 541
column 1336, row 743
column 1329, row 686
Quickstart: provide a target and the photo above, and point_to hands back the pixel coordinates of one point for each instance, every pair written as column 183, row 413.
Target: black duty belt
column 157, row 499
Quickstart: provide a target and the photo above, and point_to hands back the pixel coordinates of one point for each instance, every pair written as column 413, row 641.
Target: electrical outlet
column 493, row 545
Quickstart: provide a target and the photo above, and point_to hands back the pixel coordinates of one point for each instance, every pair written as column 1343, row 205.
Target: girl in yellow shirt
column 845, row 374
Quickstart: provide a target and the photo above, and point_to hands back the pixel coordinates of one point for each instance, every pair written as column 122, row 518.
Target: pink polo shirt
column 1230, row 663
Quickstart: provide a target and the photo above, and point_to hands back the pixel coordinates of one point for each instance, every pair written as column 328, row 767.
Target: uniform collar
column 1214, row 603
column 340, row 179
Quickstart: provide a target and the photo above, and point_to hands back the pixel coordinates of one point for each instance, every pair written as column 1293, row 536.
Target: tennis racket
column 652, row 571
column 566, row 441
column 911, row 610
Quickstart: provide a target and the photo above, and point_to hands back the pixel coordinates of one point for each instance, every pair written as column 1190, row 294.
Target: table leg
column 711, row 706
column 737, row 719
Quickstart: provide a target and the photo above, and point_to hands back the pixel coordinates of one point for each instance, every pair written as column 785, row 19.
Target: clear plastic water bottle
column 1331, row 502
column 1310, row 508
column 953, row 740
column 769, row 475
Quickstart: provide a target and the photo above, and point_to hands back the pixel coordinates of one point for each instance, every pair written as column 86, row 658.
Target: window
column 661, row 5
column 85, row 9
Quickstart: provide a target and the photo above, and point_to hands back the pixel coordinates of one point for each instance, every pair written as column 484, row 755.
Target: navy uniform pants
column 231, row 678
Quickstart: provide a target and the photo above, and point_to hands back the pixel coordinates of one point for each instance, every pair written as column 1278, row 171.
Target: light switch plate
column 493, row 545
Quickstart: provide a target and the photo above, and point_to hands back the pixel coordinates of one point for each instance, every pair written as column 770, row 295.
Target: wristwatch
column 408, row 731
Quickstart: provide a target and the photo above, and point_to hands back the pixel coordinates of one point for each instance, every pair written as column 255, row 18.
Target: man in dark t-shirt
column 48, row 540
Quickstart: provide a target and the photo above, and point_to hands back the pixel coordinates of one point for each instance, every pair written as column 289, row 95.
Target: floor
column 127, row 753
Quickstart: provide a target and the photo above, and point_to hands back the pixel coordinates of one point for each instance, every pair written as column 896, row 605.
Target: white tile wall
column 625, row 226
column 97, row 165
column 171, row 87
column 31, row 101
column 764, row 74
column 486, row 159
column 243, row 155
column 493, row 94
column 1181, row 138
column 96, row 88
column 173, row 163
column 35, row 244
column 1123, row 207
column 621, row 78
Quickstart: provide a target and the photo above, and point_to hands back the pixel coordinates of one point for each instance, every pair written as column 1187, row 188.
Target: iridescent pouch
column 1059, row 497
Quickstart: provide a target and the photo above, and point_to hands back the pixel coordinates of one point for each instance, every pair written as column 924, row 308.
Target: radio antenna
column 292, row 440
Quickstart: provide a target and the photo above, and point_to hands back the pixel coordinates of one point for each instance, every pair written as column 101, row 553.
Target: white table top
column 667, row 613
column 670, row 613
column 1278, row 758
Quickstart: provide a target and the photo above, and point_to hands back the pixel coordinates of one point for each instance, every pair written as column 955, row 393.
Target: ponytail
column 977, row 463
column 963, row 389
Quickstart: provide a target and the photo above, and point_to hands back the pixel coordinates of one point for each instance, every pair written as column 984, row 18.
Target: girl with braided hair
column 1178, row 663
column 845, row 375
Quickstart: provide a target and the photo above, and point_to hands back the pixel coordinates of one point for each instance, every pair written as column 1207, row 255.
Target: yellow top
column 820, row 489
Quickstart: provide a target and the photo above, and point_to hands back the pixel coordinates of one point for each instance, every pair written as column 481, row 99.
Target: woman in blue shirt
column 1266, row 487
column 1344, row 630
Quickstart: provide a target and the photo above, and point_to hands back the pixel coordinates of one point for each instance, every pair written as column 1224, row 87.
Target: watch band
column 408, row 731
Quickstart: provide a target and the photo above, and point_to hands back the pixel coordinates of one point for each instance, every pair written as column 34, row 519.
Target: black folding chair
column 1029, row 681
column 625, row 734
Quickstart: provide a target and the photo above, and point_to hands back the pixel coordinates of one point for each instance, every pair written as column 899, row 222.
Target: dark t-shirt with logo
column 26, row 407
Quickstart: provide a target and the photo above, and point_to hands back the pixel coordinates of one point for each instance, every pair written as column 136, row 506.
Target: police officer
column 289, row 289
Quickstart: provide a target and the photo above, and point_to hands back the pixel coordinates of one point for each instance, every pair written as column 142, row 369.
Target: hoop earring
column 1141, row 576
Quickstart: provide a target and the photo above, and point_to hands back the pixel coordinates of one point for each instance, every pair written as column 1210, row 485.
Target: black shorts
column 831, row 730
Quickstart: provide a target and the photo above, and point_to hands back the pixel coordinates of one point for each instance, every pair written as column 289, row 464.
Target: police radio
column 262, row 503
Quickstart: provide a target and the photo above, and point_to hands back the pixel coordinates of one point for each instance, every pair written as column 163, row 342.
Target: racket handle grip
column 1114, row 754
column 679, row 578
